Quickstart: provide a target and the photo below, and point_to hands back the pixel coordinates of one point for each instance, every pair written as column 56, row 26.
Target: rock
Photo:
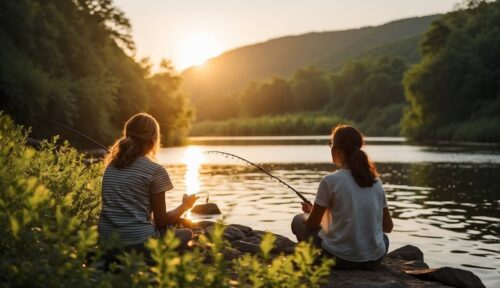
column 197, row 225
column 206, row 209
column 448, row 276
column 283, row 245
column 245, row 229
column 257, row 233
column 253, row 240
column 388, row 274
column 407, row 252
column 370, row 284
column 230, row 253
column 231, row 233
column 246, row 247
column 416, row 264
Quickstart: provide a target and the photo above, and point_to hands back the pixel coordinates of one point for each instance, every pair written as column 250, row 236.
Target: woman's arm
column 387, row 221
column 163, row 218
column 315, row 216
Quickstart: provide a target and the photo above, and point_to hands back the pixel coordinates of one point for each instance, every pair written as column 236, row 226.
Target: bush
column 48, row 211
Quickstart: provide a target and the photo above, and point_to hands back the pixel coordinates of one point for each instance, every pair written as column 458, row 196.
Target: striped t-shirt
column 126, row 200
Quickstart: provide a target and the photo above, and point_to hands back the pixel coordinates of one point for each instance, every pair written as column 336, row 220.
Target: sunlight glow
column 197, row 49
column 193, row 158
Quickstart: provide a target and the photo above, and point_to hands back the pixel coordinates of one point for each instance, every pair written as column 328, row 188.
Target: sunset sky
column 189, row 31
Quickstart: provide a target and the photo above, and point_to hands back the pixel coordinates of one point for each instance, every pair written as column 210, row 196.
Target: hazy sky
column 178, row 29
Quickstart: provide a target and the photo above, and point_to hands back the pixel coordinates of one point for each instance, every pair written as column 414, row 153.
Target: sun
column 197, row 49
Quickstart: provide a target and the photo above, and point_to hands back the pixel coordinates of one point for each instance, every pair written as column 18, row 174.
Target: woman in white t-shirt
column 356, row 208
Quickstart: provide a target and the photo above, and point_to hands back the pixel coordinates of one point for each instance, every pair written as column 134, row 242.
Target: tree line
column 367, row 91
column 73, row 62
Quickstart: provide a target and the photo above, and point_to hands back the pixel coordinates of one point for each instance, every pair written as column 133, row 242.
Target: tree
column 168, row 106
column 273, row 96
column 456, row 84
column 310, row 88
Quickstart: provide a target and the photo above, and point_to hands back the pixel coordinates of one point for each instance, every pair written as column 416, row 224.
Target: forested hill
column 232, row 70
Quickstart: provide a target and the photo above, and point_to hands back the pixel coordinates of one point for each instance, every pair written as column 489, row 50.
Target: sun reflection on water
column 193, row 158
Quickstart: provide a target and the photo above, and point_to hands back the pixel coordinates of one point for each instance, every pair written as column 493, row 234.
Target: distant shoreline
column 322, row 138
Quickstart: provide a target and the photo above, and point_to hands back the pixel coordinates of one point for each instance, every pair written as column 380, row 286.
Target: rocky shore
column 402, row 267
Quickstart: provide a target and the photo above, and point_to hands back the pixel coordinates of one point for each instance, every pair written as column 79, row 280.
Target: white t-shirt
column 355, row 232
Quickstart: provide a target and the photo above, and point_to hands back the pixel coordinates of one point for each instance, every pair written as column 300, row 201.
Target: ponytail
column 141, row 137
column 123, row 152
column 348, row 141
column 362, row 169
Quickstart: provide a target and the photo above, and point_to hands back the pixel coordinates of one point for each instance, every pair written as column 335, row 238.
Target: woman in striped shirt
column 133, row 189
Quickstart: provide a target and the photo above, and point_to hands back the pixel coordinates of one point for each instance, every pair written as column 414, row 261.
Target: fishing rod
column 261, row 170
column 74, row 131
column 207, row 152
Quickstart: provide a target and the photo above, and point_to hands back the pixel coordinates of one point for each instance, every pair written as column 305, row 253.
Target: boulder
column 416, row 264
column 245, row 229
column 283, row 245
column 408, row 252
column 370, row 284
column 206, row 209
column 230, row 253
column 448, row 276
column 257, row 233
column 253, row 240
column 231, row 233
column 245, row 247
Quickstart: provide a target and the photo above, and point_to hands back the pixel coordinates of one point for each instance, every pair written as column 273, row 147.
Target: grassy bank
column 290, row 124
column 298, row 124
column 49, row 205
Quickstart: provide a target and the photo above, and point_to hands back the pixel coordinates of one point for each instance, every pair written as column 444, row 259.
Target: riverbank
column 402, row 267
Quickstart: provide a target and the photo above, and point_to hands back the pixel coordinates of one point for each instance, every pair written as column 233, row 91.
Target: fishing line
column 74, row 131
column 261, row 170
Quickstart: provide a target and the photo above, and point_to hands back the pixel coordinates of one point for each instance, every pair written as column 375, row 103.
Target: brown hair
column 140, row 137
column 348, row 141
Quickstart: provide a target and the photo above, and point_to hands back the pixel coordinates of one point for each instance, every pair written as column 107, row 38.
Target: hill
column 231, row 71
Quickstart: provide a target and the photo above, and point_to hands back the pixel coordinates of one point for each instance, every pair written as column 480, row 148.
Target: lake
column 444, row 199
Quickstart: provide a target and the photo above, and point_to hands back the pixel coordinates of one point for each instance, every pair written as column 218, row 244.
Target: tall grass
column 382, row 122
column 289, row 124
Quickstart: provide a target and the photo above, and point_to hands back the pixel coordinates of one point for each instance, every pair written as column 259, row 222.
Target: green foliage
column 362, row 87
column 48, row 206
column 298, row 270
column 72, row 61
column 366, row 92
column 454, row 92
column 269, row 97
column 289, row 124
column 311, row 89
column 47, row 209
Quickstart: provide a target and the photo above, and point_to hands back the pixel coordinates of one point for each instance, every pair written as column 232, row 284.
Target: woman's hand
column 307, row 207
column 188, row 200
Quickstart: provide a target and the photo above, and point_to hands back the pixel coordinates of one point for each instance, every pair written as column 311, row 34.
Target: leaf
column 14, row 226
column 267, row 244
